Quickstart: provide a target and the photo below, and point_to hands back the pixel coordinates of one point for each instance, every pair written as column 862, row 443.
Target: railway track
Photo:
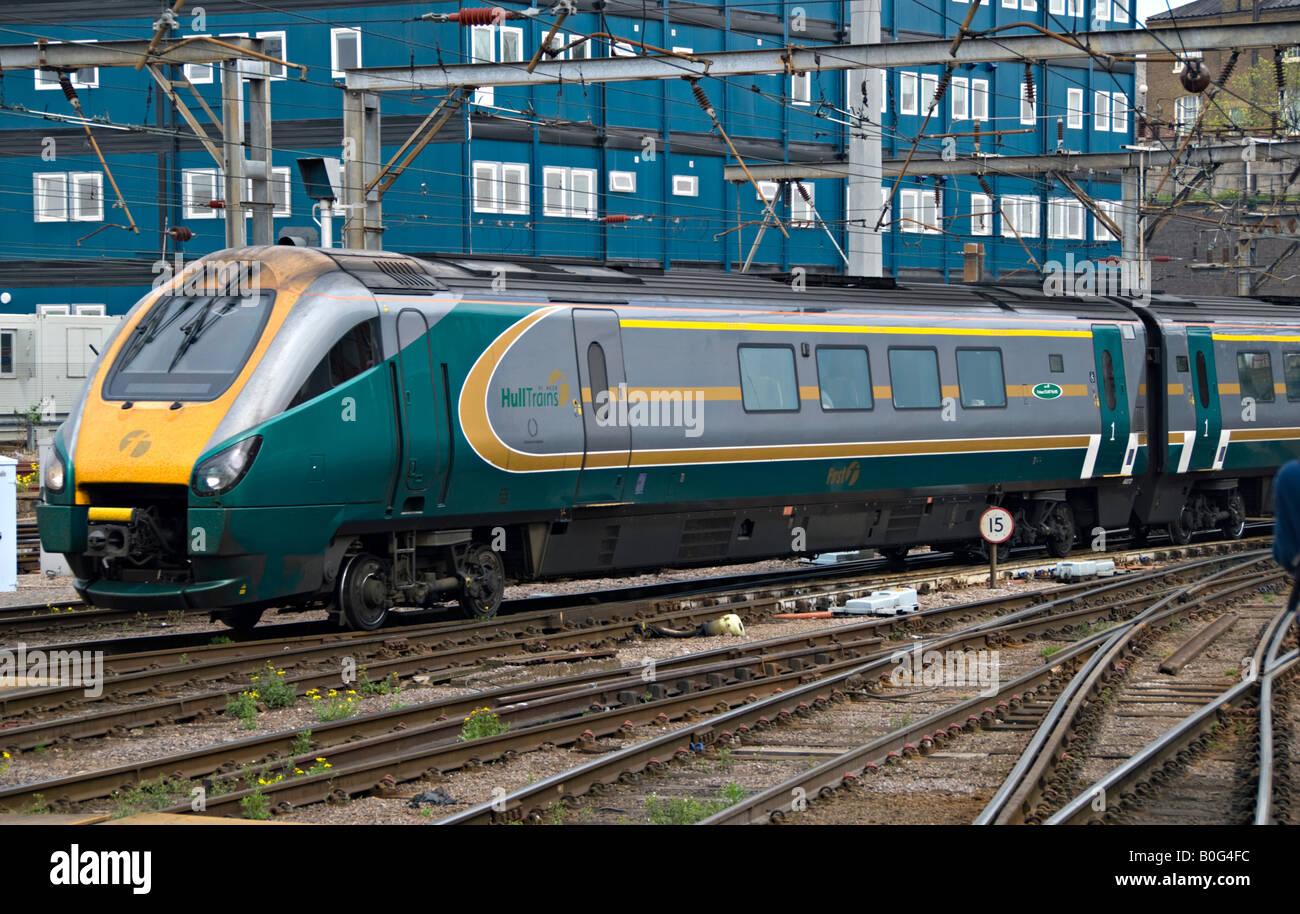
column 171, row 685
column 822, row 772
column 550, row 711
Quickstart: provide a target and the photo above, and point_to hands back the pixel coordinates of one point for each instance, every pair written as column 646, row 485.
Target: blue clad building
column 626, row 173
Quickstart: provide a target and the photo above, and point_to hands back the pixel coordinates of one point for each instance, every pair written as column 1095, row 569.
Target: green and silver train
column 364, row 430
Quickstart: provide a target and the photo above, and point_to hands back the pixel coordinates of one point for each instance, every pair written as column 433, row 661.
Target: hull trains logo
column 555, row 393
column 135, row 444
column 843, row 476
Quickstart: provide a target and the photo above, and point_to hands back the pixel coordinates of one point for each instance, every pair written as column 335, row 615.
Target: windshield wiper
column 194, row 329
column 148, row 329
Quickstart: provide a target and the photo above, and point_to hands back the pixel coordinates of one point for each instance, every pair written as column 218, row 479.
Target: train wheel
column 1181, row 530
column 484, row 582
column 241, row 619
column 896, row 556
column 363, row 592
column 1235, row 525
column 1060, row 538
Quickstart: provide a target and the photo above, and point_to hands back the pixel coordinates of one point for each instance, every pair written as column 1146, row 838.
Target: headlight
column 53, row 472
column 220, row 472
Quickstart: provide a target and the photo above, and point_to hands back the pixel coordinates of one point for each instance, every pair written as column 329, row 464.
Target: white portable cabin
column 46, row 357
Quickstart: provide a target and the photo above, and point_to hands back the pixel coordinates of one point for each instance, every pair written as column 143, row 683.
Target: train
column 364, row 430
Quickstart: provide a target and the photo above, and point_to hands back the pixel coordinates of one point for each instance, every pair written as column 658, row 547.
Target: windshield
column 189, row 347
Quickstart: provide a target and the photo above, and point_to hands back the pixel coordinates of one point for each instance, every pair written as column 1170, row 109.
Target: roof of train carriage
column 594, row 284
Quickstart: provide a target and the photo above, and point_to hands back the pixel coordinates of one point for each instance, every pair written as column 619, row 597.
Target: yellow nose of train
column 142, row 443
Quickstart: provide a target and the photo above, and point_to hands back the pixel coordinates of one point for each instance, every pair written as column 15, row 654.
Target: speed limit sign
column 996, row 525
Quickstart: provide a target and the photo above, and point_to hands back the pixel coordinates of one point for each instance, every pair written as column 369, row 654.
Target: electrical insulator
column 1029, row 82
column 180, row 233
column 616, row 218
column 1195, row 76
column 478, row 15
column 216, row 204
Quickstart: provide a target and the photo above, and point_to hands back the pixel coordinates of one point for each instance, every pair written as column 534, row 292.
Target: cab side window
column 356, row 352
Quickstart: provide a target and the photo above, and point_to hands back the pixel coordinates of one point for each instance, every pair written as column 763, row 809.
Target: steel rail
column 1031, row 767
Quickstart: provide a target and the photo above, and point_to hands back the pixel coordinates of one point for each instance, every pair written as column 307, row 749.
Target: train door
column 608, row 437
column 1112, row 394
column 1205, row 391
column 422, row 458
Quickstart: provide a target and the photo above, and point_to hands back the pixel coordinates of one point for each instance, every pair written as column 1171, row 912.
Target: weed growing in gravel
column 388, row 686
column 688, row 810
column 38, row 806
column 319, row 766
column 480, row 723
column 40, row 748
column 5, row 763
column 1048, row 651
column 175, row 616
column 301, row 744
column 149, row 796
column 334, row 705
column 243, row 706
column 272, row 689
column 255, row 805
column 222, row 639
column 724, row 758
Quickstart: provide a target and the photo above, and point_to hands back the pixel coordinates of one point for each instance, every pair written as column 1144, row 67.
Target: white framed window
column 622, row 182
column 580, row 51
column 907, row 93
column 345, row 51
column 1056, row 7
column 1186, row 110
column 483, row 49
column 1099, row 230
column 86, row 196
column 1101, row 10
column 200, row 186
column 500, row 187
column 200, row 74
column 981, row 214
column 556, row 43
column 979, row 99
column 1181, row 63
column 85, row 78
column 243, row 67
column 1074, row 109
column 1119, row 112
column 1076, row 8
column 1029, row 5
column 1010, row 4
column 801, row 88
column 960, row 92
column 686, row 186
column 50, row 197
column 1101, row 111
column 919, row 211
column 929, row 86
column 622, row 49
column 90, row 310
column 281, row 192
column 276, row 45
column 569, row 192
column 1020, row 214
column 1028, row 106
column 512, row 44
column 1120, row 10
column 56, row 310
column 1064, row 218
column 801, row 210
column 767, row 191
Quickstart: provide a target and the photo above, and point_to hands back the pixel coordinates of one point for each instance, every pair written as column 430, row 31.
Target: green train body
column 362, row 430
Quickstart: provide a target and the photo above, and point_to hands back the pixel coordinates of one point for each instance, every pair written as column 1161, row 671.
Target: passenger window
column 1291, row 365
column 914, row 376
column 356, row 352
column 844, row 376
column 597, row 373
column 979, row 376
column 1108, row 377
column 1056, row 363
column 1202, row 381
column 1255, row 371
column 767, row 379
